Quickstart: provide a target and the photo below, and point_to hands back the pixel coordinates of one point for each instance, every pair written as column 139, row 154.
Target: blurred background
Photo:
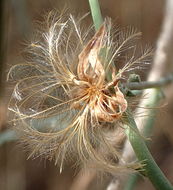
column 17, row 20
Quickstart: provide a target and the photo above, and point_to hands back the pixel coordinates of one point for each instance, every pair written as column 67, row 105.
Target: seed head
column 67, row 100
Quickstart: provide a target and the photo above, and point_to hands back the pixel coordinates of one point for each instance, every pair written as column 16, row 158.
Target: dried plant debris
column 67, row 103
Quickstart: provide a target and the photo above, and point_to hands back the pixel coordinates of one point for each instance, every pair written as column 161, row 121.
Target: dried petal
column 89, row 66
column 110, row 108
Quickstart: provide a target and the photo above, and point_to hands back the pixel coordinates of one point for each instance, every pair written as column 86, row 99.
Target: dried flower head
column 67, row 101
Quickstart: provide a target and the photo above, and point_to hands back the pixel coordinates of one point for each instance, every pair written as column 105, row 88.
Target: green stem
column 153, row 101
column 152, row 171
column 149, row 84
column 96, row 13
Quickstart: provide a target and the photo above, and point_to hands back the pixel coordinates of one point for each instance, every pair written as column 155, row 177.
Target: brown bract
column 104, row 105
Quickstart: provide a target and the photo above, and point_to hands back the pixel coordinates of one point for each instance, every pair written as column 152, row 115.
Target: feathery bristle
column 62, row 103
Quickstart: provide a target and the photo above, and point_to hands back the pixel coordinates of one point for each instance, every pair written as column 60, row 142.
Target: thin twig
column 149, row 84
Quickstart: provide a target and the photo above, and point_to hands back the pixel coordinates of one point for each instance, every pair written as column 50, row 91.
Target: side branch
column 149, row 84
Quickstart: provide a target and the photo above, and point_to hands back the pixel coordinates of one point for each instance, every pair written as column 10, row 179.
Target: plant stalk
column 149, row 84
column 152, row 171
column 96, row 13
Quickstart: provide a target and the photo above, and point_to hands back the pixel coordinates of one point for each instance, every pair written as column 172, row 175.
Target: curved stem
column 152, row 171
column 153, row 101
